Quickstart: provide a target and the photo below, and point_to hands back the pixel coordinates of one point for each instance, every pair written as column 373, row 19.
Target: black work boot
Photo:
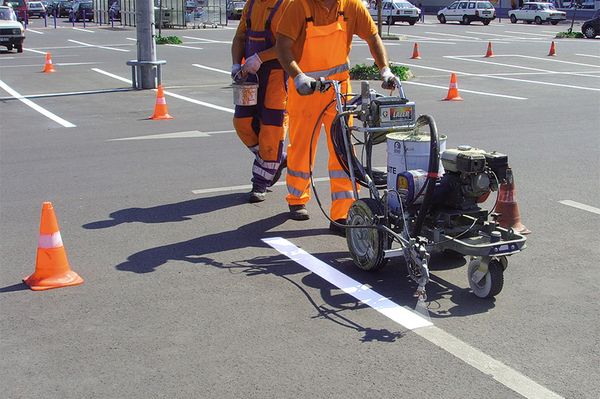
column 298, row 212
column 257, row 194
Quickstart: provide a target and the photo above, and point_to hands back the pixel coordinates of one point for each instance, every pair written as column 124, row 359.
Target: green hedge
column 569, row 35
column 168, row 40
column 364, row 72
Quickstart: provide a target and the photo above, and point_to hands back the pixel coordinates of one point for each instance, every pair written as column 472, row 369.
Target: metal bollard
column 112, row 21
column 45, row 21
column 84, row 18
column 54, row 19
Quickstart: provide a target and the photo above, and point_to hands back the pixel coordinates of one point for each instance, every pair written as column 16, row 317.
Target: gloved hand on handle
column 236, row 72
column 389, row 79
column 252, row 64
column 305, row 85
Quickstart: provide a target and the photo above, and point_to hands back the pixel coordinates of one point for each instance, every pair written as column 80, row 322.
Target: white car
column 538, row 13
column 12, row 32
column 467, row 12
column 396, row 10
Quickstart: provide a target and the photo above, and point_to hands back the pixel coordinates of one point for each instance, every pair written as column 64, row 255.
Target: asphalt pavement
column 184, row 298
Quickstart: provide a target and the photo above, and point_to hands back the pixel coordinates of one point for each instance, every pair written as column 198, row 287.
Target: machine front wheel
column 366, row 245
column 486, row 276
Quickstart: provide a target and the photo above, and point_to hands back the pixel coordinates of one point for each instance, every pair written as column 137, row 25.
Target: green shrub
column 364, row 72
column 569, row 35
column 168, row 40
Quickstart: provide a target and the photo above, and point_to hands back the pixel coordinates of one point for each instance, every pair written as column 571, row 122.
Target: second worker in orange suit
column 313, row 41
column 261, row 127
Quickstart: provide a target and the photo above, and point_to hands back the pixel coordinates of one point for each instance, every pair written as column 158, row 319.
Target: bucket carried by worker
column 244, row 93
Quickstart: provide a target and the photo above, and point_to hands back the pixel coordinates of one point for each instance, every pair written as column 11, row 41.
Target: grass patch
column 168, row 40
column 569, row 35
column 365, row 72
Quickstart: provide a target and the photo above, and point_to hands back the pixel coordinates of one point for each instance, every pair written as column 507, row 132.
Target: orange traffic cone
column 416, row 55
column 453, row 90
column 48, row 66
column 489, row 52
column 552, row 50
column 51, row 266
column 507, row 206
column 160, row 109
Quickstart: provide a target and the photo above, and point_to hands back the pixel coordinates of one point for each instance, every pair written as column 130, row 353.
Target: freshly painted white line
column 451, row 35
column 211, row 69
column 497, row 35
column 182, row 46
column 35, row 31
column 131, row 38
column 495, row 63
column 34, row 51
column 7, row 58
column 466, row 91
column 410, row 320
column 207, row 40
column 588, row 55
column 36, row 107
column 579, row 205
column 530, row 34
column 245, row 187
column 177, row 135
column 96, row 46
column 551, row 59
column 83, row 30
column 168, row 93
column 112, row 75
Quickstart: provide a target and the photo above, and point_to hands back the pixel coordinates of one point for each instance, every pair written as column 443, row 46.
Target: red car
column 19, row 6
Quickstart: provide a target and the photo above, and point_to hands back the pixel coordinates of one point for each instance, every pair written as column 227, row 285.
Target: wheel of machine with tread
column 366, row 245
column 486, row 283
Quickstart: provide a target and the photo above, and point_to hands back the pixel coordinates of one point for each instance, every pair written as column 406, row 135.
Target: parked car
column 12, row 32
column 538, row 13
column 64, row 8
column 234, row 9
column 19, row 7
column 82, row 10
column 396, row 10
column 467, row 12
column 36, row 8
column 591, row 27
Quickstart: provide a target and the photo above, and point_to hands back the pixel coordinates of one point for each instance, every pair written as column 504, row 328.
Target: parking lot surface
column 184, row 298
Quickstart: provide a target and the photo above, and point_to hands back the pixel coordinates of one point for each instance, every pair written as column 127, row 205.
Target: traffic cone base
column 161, row 112
column 552, row 50
column 416, row 55
column 453, row 90
column 52, row 268
column 489, row 52
column 48, row 66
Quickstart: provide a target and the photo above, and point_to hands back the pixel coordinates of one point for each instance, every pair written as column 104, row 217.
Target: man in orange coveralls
column 313, row 41
column 261, row 127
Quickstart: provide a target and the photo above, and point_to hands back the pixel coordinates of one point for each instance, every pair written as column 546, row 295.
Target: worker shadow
column 176, row 212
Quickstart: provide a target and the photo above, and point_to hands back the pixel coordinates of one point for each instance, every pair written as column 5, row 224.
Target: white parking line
column 466, row 91
column 410, row 320
column 207, row 40
column 588, row 55
column 246, row 187
column 451, row 35
column 84, row 30
column 56, row 63
column 131, row 38
column 581, row 206
column 497, row 35
column 178, row 135
column 35, row 31
column 34, row 51
column 182, row 46
column 96, row 46
column 211, row 69
column 530, row 34
column 36, row 107
column 168, row 93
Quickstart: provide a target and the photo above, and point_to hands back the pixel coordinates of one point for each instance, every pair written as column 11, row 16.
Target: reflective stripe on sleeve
column 338, row 174
column 342, row 195
column 295, row 173
column 294, row 191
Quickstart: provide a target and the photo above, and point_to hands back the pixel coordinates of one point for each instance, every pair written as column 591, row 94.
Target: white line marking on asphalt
column 211, row 69
column 176, row 135
column 131, row 38
column 168, row 93
column 35, row 31
column 579, row 205
column 467, row 91
column 207, row 40
column 588, row 55
column 36, row 107
column 96, row 46
column 497, row 35
column 35, row 51
column 57, row 64
column 246, row 187
column 410, row 320
column 84, row 30
column 182, row 46
column 451, row 35
column 530, row 34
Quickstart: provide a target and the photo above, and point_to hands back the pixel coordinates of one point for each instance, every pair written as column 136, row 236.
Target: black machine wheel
column 554, row 22
column 486, row 283
column 366, row 245
column 513, row 19
column 589, row 32
column 538, row 20
column 19, row 48
column 486, row 21
column 466, row 20
column 442, row 18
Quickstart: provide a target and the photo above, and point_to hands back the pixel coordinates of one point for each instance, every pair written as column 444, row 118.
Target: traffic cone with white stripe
column 52, row 268
column 416, row 55
column 552, row 50
column 453, row 90
column 160, row 109
column 48, row 66
column 489, row 52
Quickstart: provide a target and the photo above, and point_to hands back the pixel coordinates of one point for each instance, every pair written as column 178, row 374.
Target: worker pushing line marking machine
column 429, row 199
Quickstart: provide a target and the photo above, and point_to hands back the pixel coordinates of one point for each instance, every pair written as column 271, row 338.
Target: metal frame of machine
column 447, row 216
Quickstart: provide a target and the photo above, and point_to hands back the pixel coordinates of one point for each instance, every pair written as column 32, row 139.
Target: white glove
column 305, row 85
column 235, row 71
column 388, row 78
column 252, row 64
